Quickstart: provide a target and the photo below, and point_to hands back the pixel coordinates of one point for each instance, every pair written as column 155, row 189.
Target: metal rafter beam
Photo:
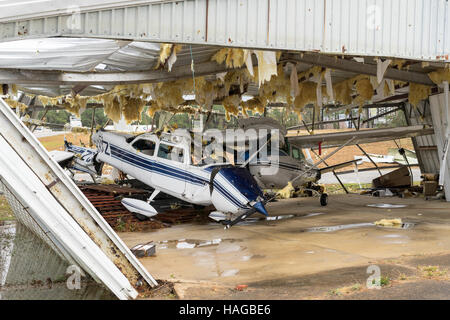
column 35, row 77
column 358, row 68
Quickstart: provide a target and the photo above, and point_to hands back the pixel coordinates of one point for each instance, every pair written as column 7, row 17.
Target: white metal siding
column 415, row 29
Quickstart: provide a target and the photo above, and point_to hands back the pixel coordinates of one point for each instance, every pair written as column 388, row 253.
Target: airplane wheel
column 323, row 199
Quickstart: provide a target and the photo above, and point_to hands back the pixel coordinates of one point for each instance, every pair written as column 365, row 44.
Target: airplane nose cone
column 259, row 206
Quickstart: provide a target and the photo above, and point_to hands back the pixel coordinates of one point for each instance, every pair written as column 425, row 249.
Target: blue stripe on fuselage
column 166, row 170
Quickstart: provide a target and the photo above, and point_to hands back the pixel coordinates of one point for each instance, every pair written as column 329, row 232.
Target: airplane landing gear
column 323, row 199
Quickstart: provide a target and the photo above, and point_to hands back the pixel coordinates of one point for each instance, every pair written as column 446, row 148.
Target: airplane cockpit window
column 297, row 154
column 147, row 147
column 170, row 152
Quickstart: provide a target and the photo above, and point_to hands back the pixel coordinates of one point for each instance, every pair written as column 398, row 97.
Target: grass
column 432, row 271
column 56, row 142
column 5, row 211
column 345, row 290
column 384, row 281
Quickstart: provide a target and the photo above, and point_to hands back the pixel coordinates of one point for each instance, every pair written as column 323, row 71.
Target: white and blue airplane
column 164, row 162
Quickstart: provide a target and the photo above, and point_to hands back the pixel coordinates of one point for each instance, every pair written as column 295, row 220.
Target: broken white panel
column 440, row 114
column 69, row 54
column 381, row 68
column 377, row 158
column 57, row 189
column 248, row 61
column 65, row 234
column 267, row 65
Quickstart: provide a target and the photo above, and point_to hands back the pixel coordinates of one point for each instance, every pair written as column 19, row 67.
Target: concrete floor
column 286, row 259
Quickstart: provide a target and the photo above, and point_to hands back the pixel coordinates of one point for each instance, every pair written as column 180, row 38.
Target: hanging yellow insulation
column 311, row 72
column 231, row 105
column 132, row 109
column 278, row 89
column 112, row 108
column 255, row 105
column 343, row 92
column 14, row 89
column 364, row 89
column 165, row 50
column 16, row 104
column 398, row 63
column 50, row 100
column 76, row 104
column 307, row 95
column 234, row 58
column 440, row 76
column 417, row 93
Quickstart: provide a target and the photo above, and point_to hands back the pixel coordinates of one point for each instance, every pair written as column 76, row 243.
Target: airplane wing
column 337, row 166
column 63, row 158
column 335, row 139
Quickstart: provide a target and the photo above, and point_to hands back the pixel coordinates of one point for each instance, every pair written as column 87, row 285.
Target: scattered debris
column 241, row 287
column 397, row 178
column 286, row 192
column 383, row 193
column 183, row 215
column 389, row 222
column 430, row 184
column 103, row 198
column 144, row 250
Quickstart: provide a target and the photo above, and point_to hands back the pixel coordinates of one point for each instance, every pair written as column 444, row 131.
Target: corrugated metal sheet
column 414, row 29
column 425, row 146
column 440, row 112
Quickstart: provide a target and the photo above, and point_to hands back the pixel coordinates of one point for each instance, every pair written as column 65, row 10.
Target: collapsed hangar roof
column 87, row 47
column 104, row 56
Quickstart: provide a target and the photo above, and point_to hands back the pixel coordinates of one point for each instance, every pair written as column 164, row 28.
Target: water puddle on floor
column 394, row 239
column 249, row 221
column 192, row 243
column 339, row 227
column 386, row 205
column 406, row 225
column 229, row 273
column 274, row 218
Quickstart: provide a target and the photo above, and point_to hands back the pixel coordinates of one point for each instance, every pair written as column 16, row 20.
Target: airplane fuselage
column 164, row 163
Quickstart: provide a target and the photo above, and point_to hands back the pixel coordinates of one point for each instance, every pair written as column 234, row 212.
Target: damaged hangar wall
column 425, row 146
column 414, row 29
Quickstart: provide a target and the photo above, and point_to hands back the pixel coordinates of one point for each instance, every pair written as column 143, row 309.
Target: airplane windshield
column 170, row 152
column 145, row 146
column 297, row 154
